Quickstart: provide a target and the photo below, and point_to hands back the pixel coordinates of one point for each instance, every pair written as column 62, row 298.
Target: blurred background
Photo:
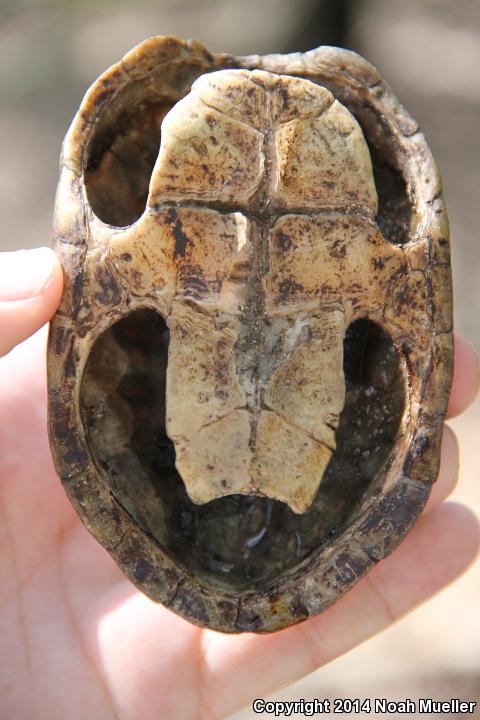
column 429, row 51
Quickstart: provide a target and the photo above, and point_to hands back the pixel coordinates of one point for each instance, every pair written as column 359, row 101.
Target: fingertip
column 466, row 377
column 52, row 290
column 31, row 284
column 441, row 548
column 449, row 468
column 453, row 531
column 459, row 529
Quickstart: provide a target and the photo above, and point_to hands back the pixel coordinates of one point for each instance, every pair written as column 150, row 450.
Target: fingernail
column 24, row 274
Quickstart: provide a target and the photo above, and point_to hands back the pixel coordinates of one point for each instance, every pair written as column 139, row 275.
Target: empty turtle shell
column 250, row 366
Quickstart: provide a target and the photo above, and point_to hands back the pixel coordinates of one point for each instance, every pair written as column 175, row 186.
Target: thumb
column 30, row 289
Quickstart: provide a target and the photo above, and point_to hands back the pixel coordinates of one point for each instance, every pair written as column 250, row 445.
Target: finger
column 32, row 499
column 443, row 544
column 466, row 377
column 449, row 466
column 30, row 289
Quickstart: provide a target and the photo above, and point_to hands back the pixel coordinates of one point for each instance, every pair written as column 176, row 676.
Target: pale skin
column 77, row 639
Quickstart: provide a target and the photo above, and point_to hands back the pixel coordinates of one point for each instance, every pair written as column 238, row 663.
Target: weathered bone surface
column 250, row 366
column 262, row 292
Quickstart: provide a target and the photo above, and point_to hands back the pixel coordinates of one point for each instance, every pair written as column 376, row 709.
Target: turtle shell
column 250, row 366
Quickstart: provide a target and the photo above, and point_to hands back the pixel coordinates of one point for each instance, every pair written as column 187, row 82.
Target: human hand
column 79, row 641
